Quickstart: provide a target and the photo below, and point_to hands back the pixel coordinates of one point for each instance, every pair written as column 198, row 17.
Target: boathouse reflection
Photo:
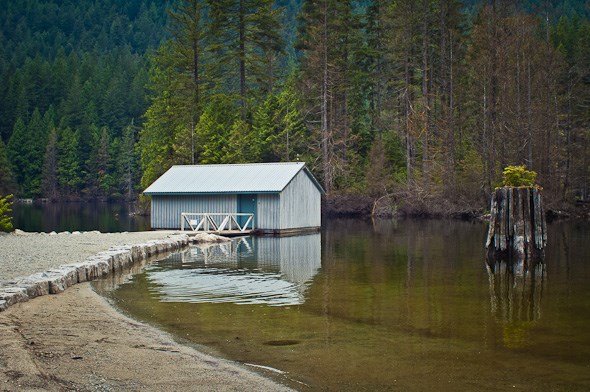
column 265, row 270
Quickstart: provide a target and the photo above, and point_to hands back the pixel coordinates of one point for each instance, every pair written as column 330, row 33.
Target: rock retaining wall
column 57, row 280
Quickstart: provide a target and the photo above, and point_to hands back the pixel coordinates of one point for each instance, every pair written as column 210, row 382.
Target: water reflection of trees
column 515, row 298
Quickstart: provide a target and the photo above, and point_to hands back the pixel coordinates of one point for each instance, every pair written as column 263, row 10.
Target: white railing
column 215, row 222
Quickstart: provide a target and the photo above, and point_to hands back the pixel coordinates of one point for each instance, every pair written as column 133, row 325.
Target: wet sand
column 77, row 341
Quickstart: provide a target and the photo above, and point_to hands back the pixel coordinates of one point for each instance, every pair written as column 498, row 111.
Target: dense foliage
column 5, row 210
column 420, row 101
column 516, row 176
column 72, row 82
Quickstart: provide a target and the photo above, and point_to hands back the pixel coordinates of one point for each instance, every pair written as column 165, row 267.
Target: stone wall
column 114, row 260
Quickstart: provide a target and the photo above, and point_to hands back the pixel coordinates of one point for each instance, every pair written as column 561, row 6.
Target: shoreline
column 78, row 341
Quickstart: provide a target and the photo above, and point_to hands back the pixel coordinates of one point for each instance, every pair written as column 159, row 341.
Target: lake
column 77, row 216
column 406, row 305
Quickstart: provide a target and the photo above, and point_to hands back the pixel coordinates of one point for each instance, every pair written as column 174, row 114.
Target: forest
column 407, row 106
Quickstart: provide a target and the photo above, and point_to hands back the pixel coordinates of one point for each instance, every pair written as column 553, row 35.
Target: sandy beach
column 76, row 341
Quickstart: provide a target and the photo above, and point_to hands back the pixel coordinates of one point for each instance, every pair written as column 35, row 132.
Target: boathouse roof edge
column 228, row 179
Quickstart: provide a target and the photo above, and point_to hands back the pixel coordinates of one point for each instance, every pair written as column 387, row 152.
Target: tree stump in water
column 518, row 230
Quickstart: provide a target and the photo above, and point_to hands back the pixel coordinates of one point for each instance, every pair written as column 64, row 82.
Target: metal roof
column 229, row 178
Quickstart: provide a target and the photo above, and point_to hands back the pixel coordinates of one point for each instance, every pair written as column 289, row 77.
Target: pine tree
column 6, row 180
column 326, row 31
column 127, row 165
column 213, row 130
column 37, row 131
column 18, row 154
column 103, row 172
column 25, row 151
column 68, row 166
column 156, row 138
column 241, row 147
column 50, row 184
column 178, row 86
column 246, row 40
column 278, row 127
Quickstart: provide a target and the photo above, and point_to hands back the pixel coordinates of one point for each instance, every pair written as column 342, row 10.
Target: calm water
column 406, row 306
column 104, row 217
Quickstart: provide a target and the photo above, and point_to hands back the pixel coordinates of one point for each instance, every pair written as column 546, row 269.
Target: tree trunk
column 326, row 167
column 407, row 111
column 242, row 38
column 425, row 109
column 517, row 231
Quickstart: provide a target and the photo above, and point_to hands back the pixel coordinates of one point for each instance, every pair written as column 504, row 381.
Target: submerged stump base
column 518, row 230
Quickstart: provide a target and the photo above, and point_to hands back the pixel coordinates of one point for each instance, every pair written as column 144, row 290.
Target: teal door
column 246, row 205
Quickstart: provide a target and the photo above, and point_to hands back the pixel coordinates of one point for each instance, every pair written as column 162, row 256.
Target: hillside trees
column 201, row 76
column 26, row 149
column 90, row 74
column 514, row 91
column 421, row 101
column 464, row 103
column 386, row 76
column 571, row 37
column 329, row 37
column 245, row 37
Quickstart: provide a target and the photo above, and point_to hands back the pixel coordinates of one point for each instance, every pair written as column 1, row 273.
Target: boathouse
column 277, row 197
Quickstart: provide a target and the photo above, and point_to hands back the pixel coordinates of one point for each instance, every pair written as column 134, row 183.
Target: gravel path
column 24, row 254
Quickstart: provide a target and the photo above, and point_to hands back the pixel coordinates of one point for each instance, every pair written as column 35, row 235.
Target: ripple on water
column 223, row 285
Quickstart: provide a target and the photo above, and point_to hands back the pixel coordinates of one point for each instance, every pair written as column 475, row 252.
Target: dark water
column 406, row 306
column 104, row 217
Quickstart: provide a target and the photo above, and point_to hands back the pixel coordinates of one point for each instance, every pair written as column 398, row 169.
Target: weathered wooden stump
column 518, row 230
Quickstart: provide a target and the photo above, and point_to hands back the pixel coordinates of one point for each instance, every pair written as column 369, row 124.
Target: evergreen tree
column 19, row 153
column 214, row 129
column 37, row 133
column 178, row 86
column 241, row 147
column 156, row 138
column 50, row 184
column 326, row 33
column 279, row 129
column 6, row 181
column 68, row 167
column 103, row 172
column 25, row 151
column 246, row 40
column 5, row 213
column 127, row 165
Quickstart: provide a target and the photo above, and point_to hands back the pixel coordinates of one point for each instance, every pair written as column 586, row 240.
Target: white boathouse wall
column 296, row 206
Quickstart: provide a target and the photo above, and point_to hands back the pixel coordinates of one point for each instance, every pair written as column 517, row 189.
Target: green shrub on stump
column 5, row 210
column 518, row 176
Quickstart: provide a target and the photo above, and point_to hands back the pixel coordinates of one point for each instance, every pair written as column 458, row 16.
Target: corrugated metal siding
column 268, row 216
column 298, row 206
column 300, row 203
column 166, row 210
